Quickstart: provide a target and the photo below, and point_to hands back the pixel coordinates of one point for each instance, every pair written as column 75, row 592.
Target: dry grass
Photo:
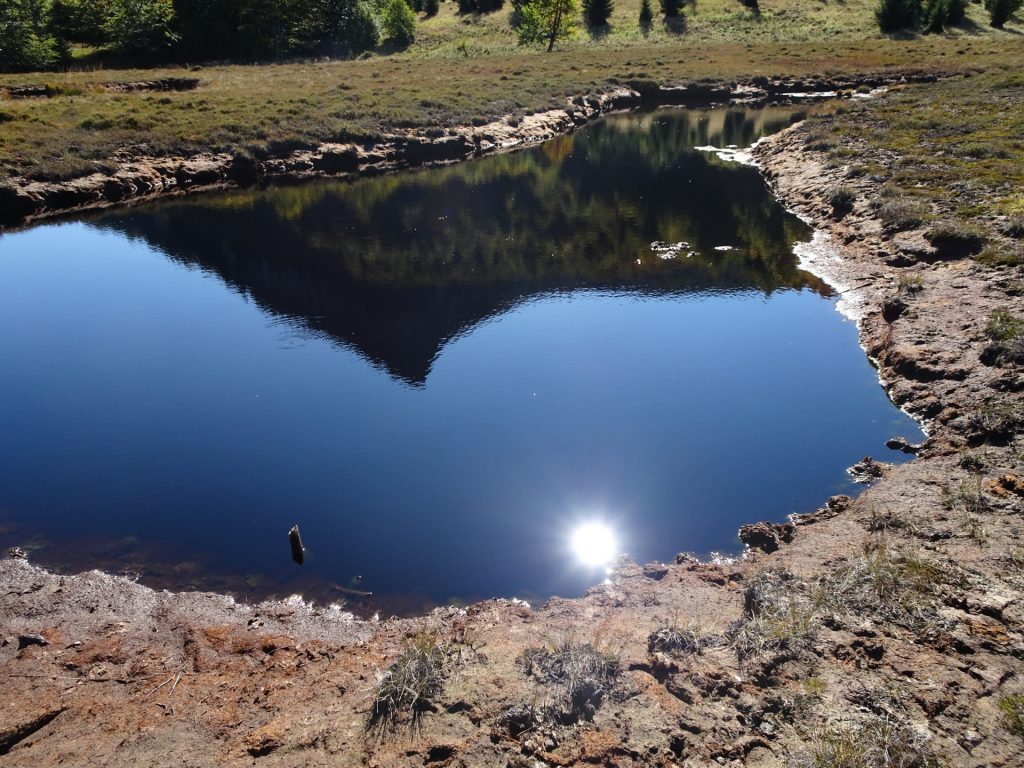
column 580, row 673
column 673, row 640
column 878, row 741
column 408, row 687
column 889, row 584
column 780, row 617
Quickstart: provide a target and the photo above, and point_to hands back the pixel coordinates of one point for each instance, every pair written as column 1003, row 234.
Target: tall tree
column 597, row 12
column 646, row 14
column 1000, row 11
column 25, row 39
column 141, row 26
column 547, row 21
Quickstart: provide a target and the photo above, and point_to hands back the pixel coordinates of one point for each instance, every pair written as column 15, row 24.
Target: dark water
column 438, row 375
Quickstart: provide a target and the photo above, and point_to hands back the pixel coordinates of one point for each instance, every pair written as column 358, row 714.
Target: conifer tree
column 597, row 12
column 646, row 14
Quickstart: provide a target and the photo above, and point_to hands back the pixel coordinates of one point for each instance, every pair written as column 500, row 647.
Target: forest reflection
column 395, row 266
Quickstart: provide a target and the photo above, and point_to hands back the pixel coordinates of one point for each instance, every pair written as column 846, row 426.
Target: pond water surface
column 439, row 375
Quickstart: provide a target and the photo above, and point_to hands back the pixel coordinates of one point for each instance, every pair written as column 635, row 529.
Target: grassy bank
column 462, row 70
column 947, row 158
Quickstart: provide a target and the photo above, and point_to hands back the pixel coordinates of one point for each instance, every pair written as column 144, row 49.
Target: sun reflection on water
column 594, row 544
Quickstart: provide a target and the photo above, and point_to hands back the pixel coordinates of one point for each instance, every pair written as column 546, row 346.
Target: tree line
column 937, row 15
column 38, row 34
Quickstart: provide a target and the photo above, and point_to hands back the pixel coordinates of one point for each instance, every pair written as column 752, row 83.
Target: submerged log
column 295, row 539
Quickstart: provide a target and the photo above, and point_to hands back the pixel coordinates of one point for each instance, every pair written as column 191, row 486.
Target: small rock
column 655, row 570
column 901, row 444
column 765, row 536
column 1005, row 485
column 893, row 308
column 17, row 553
column 867, row 470
column 834, row 506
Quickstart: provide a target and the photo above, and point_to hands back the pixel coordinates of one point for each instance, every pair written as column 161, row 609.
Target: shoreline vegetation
column 464, row 72
column 887, row 630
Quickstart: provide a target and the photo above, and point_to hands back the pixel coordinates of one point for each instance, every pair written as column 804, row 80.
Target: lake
column 477, row 380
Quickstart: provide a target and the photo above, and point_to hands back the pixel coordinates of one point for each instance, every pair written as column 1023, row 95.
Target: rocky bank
column 892, row 624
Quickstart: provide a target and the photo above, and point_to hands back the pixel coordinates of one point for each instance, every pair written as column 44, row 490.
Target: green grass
column 461, row 71
column 949, row 156
column 1003, row 325
column 1012, row 708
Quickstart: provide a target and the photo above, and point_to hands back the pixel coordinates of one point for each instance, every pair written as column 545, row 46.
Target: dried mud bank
column 889, row 628
column 137, row 177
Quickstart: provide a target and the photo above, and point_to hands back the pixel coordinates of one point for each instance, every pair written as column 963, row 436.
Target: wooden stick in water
column 295, row 539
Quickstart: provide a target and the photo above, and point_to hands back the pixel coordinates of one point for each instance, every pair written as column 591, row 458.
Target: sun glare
column 594, row 544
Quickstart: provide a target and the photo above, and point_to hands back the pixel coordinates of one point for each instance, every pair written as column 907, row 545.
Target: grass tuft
column 408, row 687
column 1012, row 708
column 879, row 741
column 680, row 641
column 779, row 617
column 841, row 198
column 890, row 585
column 901, row 213
column 1003, row 325
column 581, row 674
column 911, row 282
column 956, row 234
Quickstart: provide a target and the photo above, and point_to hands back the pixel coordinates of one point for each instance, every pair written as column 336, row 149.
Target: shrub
column 677, row 641
column 998, row 255
column 546, row 21
column 646, row 14
column 894, row 15
column 938, row 14
column 1015, row 226
column 1000, row 11
column 480, row 6
column 779, row 617
column 1003, row 325
column 995, row 422
column 887, row 584
column 911, row 282
column 672, row 8
column 339, row 27
column 597, row 12
column 877, row 740
column 431, row 7
column 397, row 22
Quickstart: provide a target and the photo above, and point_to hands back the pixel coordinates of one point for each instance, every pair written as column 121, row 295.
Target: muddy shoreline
column 139, row 178
column 899, row 613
